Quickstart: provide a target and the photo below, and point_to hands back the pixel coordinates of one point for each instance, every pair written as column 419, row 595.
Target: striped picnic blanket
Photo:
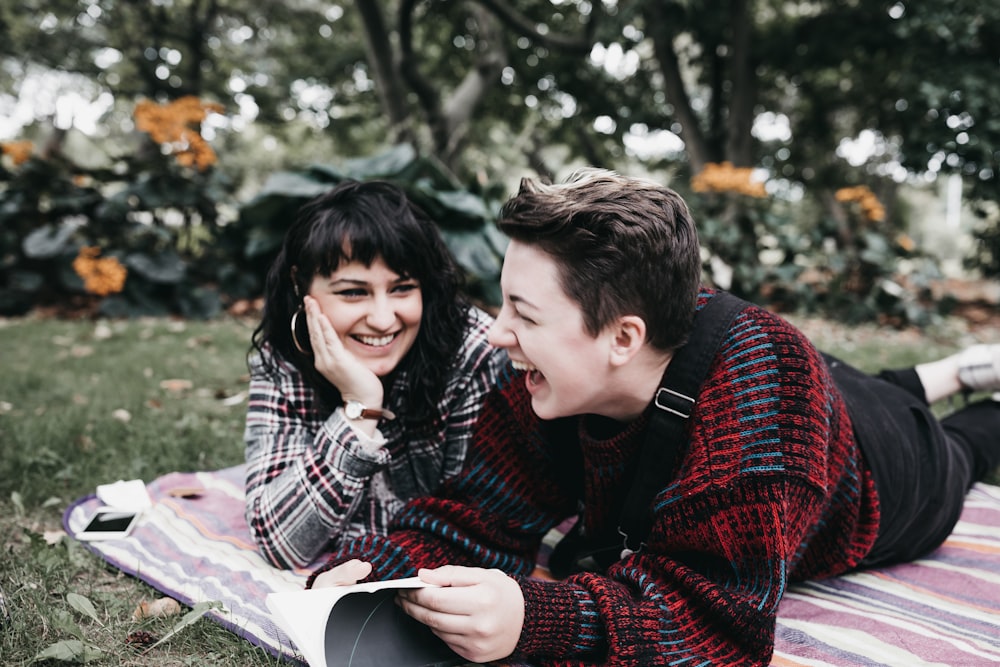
column 940, row 610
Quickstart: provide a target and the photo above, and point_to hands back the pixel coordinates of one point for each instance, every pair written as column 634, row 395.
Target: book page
column 370, row 629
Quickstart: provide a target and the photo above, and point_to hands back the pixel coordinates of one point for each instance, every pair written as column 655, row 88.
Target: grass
column 85, row 403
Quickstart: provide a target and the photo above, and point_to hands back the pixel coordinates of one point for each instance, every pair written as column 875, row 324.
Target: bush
column 149, row 233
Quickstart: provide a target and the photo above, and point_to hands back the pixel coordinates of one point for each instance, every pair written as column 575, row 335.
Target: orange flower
column 724, row 177
column 175, row 125
column 19, row 151
column 101, row 276
column 906, row 242
column 871, row 207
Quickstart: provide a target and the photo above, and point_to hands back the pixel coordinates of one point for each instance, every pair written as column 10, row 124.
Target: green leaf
column 48, row 241
column 200, row 303
column 83, row 605
column 292, row 184
column 189, row 618
column 71, row 650
column 166, row 268
column 389, row 163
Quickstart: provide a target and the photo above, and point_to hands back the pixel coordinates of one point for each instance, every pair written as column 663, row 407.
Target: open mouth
column 534, row 377
column 375, row 341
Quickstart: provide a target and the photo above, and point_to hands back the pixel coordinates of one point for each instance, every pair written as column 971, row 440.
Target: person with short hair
column 790, row 465
column 368, row 369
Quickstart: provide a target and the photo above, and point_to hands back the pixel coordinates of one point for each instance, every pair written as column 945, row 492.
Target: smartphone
column 109, row 524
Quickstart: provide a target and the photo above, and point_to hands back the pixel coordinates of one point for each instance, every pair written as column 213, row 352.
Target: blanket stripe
column 941, row 610
column 199, row 549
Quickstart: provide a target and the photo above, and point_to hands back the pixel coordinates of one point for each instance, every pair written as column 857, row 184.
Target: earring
column 295, row 336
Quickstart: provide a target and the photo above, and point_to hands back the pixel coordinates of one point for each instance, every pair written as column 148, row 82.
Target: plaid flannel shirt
column 312, row 479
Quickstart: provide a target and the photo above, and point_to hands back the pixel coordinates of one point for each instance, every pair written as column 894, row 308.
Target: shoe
column 979, row 368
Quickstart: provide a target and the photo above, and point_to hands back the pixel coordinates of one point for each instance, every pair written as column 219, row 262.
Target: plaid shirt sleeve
column 313, row 479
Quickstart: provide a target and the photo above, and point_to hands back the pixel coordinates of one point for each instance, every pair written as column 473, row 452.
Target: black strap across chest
column 674, row 402
column 662, row 444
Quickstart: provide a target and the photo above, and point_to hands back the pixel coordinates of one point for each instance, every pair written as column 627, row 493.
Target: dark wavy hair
column 364, row 221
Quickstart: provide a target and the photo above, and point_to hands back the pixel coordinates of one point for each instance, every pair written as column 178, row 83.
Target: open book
column 358, row 626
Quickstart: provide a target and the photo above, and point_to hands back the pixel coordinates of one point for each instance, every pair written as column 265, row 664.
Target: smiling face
column 375, row 311
column 543, row 331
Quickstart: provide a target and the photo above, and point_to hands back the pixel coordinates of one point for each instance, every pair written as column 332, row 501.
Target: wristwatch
column 356, row 410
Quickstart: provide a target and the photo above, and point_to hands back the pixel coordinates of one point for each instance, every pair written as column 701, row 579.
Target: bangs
column 344, row 239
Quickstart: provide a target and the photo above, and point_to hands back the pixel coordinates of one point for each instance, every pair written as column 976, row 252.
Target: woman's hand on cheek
column 353, row 379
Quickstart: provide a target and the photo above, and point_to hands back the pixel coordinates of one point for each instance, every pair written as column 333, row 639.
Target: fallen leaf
column 197, row 341
column 156, row 608
column 176, row 384
column 185, row 491
column 81, row 351
column 53, row 537
column 235, row 399
column 140, row 639
column 102, row 331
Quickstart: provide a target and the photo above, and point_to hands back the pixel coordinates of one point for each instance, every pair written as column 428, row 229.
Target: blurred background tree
column 806, row 98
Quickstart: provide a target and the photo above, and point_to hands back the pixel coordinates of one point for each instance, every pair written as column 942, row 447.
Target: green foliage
column 985, row 255
column 164, row 224
column 142, row 211
column 794, row 258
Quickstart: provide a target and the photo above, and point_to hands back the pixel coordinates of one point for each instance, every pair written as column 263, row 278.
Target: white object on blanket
column 131, row 495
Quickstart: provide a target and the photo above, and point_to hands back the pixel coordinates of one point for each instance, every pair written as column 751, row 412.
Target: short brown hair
column 624, row 246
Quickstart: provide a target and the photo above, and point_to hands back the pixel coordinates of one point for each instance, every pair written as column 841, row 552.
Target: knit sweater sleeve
column 493, row 514
column 770, row 489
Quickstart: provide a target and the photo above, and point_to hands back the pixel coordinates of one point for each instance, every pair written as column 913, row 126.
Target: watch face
column 353, row 409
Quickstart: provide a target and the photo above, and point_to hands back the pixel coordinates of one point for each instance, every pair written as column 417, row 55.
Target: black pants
column 923, row 467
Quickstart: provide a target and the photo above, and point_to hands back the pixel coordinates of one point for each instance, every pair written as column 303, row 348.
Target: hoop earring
column 295, row 337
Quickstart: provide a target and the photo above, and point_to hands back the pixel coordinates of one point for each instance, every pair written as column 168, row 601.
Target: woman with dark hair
column 368, row 369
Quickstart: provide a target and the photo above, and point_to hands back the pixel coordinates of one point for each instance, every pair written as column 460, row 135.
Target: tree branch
column 427, row 96
column 387, row 82
column 660, row 27
column 522, row 25
column 462, row 102
column 739, row 142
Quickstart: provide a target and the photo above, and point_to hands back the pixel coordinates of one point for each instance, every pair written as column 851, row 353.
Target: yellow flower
column 19, row 151
column 101, row 276
column 871, row 207
column 724, row 177
column 175, row 125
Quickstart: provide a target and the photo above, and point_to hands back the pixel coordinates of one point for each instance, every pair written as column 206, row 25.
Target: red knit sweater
column 770, row 489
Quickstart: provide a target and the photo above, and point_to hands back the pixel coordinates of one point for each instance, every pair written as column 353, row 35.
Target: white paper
column 130, row 495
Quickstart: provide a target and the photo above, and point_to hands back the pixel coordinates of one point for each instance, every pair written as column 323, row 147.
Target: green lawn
column 83, row 403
